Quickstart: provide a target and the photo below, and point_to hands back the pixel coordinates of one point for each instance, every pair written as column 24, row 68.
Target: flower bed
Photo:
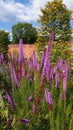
column 34, row 94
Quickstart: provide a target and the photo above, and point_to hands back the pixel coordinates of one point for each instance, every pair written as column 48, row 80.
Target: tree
column 4, row 41
column 55, row 17
column 25, row 31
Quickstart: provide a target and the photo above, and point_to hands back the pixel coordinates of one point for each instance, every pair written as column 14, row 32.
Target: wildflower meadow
column 34, row 94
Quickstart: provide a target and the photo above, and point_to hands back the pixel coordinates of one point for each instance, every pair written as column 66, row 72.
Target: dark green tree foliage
column 25, row 31
column 4, row 41
column 55, row 17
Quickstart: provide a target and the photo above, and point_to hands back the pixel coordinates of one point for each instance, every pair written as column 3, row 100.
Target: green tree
column 4, row 41
column 55, row 17
column 25, row 31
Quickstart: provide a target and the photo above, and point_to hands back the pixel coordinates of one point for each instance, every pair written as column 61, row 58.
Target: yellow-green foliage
column 60, row 49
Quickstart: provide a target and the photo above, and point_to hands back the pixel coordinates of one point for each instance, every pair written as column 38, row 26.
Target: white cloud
column 10, row 10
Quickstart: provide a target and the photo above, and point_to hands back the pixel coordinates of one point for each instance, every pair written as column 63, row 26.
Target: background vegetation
column 25, row 31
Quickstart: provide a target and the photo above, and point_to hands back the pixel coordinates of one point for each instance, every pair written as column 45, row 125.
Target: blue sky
column 14, row 11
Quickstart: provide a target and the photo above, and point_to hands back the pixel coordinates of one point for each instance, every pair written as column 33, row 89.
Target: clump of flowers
column 36, row 92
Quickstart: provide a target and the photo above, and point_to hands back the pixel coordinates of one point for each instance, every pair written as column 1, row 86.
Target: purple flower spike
column 9, row 97
column 57, row 80
column 34, row 60
column 55, row 69
column 15, row 77
column 50, row 73
column 23, row 72
column 25, row 121
column 47, row 57
column 21, row 54
column 48, row 97
column 65, row 76
column 67, row 67
column 60, row 64
column 46, row 65
column 30, row 97
column 34, row 108
column 64, row 86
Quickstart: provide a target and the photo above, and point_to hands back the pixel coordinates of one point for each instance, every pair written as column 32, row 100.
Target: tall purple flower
column 15, row 59
column 23, row 72
column 55, row 69
column 48, row 97
column 50, row 73
column 50, row 41
column 47, row 57
column 57, row 80
column 34, row 60
column 60, row 64
column 21, row 54
column 15, row 77
column 34, row 108
column 9, row 97
column 46, row 65
column 67, row 67
column 64, row 84
column 12, row 79
column 65, row 74
column 30, row 64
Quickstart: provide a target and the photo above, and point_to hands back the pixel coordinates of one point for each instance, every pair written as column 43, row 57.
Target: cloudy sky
column 14, row 11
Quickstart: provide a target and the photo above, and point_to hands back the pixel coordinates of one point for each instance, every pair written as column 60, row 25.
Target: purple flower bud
column 47, row 57
column 64, row 86
column 38, row 67
column 34, row 108
column 60, row 64
column 65, row 74
column 30, row 64
column 46, row 65
column 29, row 77
column 12, row 78
column 48, row 97
column 55, row 69
column 15, row 59
column 10, row 99
column 57, row 80
column 50, row 73
column 15, row 77
column 30, row 97
column 35, row 60
column 67, row 67
column 23, row 72
column 25, row 121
